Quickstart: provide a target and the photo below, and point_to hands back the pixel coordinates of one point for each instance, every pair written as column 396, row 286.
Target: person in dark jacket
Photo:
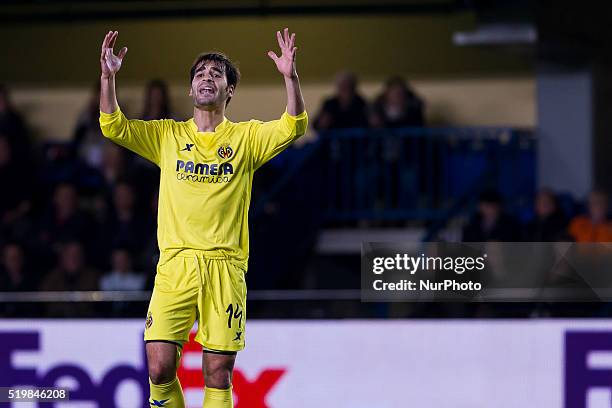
column 549, row 224
column 398, row 106
column 346, row 109
column 490, row 222
column 13, row 127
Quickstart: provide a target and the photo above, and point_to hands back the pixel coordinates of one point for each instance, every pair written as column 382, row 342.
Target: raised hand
column 286, row 62
column 109, row 62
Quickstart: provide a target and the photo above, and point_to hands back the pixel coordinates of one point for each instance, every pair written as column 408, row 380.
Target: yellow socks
column 216, row 398
column 168, row 395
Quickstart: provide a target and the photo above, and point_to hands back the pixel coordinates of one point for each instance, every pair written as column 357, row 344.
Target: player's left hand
column 286, row 62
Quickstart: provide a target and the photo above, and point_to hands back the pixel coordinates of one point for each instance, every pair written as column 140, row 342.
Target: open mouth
column 207, row 90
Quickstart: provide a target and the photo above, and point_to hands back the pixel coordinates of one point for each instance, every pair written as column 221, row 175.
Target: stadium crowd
column 82, row 215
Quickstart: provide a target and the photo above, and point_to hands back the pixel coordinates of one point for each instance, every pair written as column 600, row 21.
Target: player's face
column 209, row 88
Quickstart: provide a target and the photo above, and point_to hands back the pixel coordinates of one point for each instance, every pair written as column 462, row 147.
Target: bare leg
column 218, row 378
column 162, row 359
column 218, row 369
column 165, row 387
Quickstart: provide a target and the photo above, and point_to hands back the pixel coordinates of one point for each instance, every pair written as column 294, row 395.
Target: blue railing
column 419, row 173
column 412, row 173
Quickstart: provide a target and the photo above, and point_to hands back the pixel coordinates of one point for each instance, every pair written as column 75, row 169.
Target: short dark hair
column 231, row 70
column 490, row 197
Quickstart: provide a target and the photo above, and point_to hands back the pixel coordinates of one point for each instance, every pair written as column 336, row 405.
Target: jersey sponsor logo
column 225, row 151
column 188, row 147
column 212, row 173
column 194, row 178
column 213, row 169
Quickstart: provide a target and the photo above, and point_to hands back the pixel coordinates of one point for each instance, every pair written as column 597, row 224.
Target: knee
column 218, row 377
column 161, row 373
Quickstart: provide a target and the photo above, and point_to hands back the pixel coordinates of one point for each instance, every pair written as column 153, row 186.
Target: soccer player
column 207, row 165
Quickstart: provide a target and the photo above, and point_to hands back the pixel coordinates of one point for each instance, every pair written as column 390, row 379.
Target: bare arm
column 142, row 137
column 286, row 66
column 110, row 65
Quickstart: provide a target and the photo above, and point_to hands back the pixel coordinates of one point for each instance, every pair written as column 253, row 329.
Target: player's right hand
column 109, row 62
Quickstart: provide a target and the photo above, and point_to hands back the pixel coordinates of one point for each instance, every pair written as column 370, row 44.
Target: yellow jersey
column 205, row 177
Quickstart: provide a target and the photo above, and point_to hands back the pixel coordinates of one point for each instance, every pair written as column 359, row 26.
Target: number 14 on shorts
column 234, row 312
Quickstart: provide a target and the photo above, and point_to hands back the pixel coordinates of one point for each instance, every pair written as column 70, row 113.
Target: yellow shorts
column 190, row 286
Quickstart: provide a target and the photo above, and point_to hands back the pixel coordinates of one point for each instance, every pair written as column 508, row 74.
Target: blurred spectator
column 70, row 274
column 346, row 109
column 397, row 106
column 596, row 225
column 64, row 221
column 125, row 226
column 113, row 170
column 16, row 190
column 114, row 165
column 122, row 275
column 13, row 127
column 156, row 106
column 117, row 168
column 490, row 223
column 87, row 138
column 14, row 275
column 60, row 165
column 157, row 101
column 549, row 224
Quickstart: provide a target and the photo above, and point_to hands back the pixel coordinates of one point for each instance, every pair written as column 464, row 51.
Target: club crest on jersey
column 225, row 151
column 149, row 321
